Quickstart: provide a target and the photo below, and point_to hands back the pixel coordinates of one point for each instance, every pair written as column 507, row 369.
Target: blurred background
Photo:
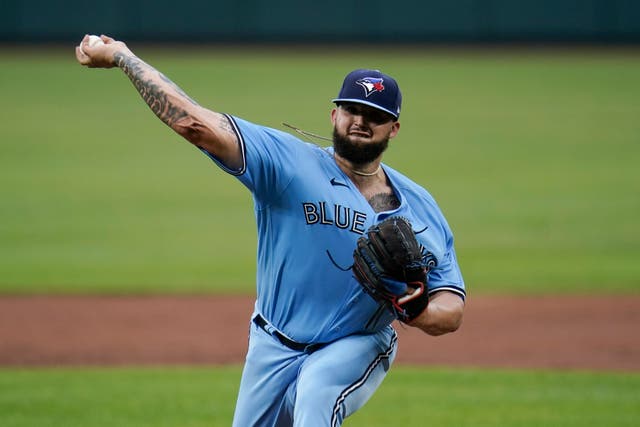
column 521, row 118
column 375, row 21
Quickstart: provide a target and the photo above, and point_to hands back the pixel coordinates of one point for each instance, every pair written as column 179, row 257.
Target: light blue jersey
column 309, row 216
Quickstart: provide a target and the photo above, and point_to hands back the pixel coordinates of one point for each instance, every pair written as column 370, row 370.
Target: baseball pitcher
column 346, row 244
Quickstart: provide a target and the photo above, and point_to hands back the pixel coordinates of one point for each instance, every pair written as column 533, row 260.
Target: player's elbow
column 447, row 324
column 191, row 129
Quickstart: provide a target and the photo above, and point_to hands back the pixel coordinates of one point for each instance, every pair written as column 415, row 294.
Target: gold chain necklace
column 357, row 172
column 366, row 173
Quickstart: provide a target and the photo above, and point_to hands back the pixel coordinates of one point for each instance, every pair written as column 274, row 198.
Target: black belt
column 293, row 345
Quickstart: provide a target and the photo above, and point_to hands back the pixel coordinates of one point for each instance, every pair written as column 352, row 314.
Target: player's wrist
column 414, row 308
column 122, row 56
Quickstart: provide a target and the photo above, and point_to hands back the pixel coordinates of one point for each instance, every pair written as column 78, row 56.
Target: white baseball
column 93, row 41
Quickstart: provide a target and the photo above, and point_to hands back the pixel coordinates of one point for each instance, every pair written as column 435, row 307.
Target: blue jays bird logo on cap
column 370, row 85
column 380, row 91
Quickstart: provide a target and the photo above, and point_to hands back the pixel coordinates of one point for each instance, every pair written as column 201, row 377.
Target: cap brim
column 370, row 104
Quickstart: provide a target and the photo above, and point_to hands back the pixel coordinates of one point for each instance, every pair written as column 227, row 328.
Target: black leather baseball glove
column 392, row 267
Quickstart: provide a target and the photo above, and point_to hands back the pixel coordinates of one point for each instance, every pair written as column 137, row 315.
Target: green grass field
column 533, row 156
column 193, row 397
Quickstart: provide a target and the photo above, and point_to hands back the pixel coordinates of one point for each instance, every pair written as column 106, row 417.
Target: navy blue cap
column 372, row 88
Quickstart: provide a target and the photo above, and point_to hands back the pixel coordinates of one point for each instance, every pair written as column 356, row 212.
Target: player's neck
column 372, row 183
column 359, row 172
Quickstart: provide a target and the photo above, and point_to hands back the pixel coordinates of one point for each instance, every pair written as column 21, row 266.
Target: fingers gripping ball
column 392, row 267
column 93, row 41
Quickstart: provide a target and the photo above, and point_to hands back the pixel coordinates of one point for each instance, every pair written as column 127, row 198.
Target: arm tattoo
column 384, row 202
column 225, row 125
column 154, row 94
column 177, row 89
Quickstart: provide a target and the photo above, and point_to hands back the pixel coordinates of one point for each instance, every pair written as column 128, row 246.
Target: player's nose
column 359, row 119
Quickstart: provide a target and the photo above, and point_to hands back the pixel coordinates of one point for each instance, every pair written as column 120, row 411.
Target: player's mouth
column 361, row 133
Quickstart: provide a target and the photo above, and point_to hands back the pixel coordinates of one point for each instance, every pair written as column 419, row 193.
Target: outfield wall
column 616, row 21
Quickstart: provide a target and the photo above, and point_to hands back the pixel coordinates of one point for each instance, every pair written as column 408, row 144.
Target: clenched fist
column 99, row 55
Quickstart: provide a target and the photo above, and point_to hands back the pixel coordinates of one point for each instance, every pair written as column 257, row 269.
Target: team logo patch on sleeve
column 371, row 85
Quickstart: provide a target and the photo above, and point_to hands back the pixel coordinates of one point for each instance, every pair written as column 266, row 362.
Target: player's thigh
column 337, row 380
column 269, row 370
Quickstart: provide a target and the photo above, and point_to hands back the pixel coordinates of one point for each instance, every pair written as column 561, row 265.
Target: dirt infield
column 569, row 332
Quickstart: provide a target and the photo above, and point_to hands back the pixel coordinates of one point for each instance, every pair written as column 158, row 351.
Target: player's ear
column 395, row 128
column 334, row 113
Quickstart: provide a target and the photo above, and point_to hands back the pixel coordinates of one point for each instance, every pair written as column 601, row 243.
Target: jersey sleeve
column 446, row 276
column 268, row 155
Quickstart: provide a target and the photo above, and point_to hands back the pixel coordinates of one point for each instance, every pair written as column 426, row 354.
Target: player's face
column 361, row 133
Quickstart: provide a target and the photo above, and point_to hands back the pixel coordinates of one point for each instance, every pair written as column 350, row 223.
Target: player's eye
column 351, row 109
column 369, row 114
column 378, row 117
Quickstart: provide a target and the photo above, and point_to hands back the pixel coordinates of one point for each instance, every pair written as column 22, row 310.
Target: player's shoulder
column 247, row 127
column 251, row 131
column 408, row 186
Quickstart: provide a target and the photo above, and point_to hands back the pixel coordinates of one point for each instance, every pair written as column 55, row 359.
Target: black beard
column 358, row 154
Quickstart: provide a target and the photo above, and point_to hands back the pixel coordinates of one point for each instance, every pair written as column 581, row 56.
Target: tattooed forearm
column 177, row 89
column 153, row 93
